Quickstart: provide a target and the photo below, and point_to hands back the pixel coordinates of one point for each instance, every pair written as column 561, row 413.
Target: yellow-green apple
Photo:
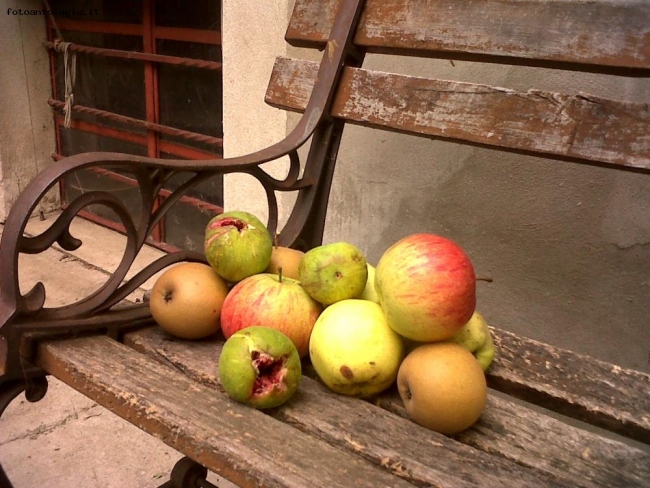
column 369, row 292
column 260, row 367
column 427, row 287
column 237, row 245
column 333, row 272
column 475, row 336
column 272, row 301
column 186, row 300
column 353, row 350
column 286, row 258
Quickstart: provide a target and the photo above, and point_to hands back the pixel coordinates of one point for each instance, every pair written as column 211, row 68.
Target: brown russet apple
column 286, row 258
column 442, row 386
column 272, row 301
column 186, row 300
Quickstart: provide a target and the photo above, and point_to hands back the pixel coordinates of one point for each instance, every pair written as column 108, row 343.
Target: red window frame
column 150, row 32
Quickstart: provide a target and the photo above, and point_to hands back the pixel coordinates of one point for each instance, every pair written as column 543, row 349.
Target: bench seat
column 169, row 387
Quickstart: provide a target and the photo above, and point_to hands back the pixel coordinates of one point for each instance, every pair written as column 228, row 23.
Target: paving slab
column 67, row 440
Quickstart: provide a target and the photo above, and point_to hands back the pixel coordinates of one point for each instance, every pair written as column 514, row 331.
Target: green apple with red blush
column 237, row 245
column 273, row 301
column 426, row 286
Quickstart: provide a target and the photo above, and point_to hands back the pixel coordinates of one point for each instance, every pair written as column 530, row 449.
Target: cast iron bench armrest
column 22, row 313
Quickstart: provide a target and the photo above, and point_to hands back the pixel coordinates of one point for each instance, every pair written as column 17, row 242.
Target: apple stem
column 484, row 278
column 280, row 274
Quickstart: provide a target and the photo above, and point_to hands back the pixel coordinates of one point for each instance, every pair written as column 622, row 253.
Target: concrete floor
column 66, row 440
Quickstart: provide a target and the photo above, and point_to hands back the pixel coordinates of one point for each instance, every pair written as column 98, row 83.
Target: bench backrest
column 602, row 36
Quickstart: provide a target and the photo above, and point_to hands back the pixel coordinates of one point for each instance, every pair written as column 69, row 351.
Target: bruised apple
column 186, row 300
column 333, row 272
column 237, row 245
column 353, row 350
column 272, row 301
column 260, row 367
column 427, row 287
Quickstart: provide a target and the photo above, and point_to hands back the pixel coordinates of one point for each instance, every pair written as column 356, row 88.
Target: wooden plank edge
column 469, row 30
column 237, row 442
column 581, row 128
column 572, row 384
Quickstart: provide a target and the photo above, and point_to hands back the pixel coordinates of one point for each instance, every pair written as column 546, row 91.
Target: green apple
column 260, row 367
column 333, row 272
column 475, row 336
column 353, row 350
column 369, row 292
column 237, row 245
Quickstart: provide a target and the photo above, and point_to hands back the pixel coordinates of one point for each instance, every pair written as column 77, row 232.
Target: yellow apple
column 353, row 349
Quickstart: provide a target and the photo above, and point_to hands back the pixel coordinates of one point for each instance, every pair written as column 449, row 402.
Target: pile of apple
column 410, row 320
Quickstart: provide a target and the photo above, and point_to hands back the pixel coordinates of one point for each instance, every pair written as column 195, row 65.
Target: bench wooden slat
column 241, row 444
column 539, row 122
column 602, row 394
column 533, row 439
column 505, row 428
column 611, row 32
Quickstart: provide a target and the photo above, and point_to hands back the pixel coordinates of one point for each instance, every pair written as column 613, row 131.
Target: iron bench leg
column 188, row 474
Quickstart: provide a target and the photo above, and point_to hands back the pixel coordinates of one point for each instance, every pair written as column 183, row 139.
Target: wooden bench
column 594, row 425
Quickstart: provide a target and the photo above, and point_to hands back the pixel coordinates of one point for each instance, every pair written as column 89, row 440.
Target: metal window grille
column 146, row 79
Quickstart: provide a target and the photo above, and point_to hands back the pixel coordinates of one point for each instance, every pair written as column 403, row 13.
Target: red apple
column 426, row 286
column 271, row 301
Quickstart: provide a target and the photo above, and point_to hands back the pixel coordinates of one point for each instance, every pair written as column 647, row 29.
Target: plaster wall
column 252, row 37
column 566, row 245
column 26, row 126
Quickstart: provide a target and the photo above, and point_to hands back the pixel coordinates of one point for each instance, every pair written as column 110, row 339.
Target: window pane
column 194, row 14
column 210, row 190
column 111, row 84
column 85, row 181
column 75, row 141
column 191, row 98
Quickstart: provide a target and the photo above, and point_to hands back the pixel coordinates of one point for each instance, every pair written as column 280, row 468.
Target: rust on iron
column 163, row 129
column 137, row 56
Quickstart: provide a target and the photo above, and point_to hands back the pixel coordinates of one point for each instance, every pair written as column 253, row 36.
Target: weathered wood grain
column 598, row 32
column 573, row 384
column 583, row 127
column 506, row 429
column 240, row 443
column 532, row 439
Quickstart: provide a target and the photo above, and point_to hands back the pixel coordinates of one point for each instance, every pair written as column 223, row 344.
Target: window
column 148, row 82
